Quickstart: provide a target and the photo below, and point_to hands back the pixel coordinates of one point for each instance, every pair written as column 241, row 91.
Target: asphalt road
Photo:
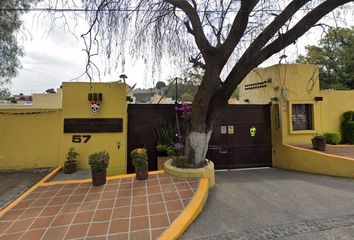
column 276, row 204
column 13, row 184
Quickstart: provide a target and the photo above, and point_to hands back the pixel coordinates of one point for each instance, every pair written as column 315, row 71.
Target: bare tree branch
column 198, row 32
column 284, row 40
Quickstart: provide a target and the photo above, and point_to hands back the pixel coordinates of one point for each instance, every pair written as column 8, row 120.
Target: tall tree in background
column 335, row 58
column 187, row 86
column 10, row 23
column 225, row 38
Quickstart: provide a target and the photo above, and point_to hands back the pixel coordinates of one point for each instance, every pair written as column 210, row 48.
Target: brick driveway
column 122, row 209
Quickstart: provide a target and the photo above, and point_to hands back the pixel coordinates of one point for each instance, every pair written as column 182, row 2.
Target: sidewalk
column 124, row 208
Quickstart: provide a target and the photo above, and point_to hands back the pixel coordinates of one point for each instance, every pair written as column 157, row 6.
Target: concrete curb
column 185, row 219
column 188, row 173
column 89, row 179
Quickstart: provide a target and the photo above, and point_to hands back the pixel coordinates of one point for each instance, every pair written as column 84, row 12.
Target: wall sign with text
column 93, row 125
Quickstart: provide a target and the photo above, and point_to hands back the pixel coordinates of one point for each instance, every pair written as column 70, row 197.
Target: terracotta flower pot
column 99, row 178
column 142, row 173
column 69, row 167
column 318, row 145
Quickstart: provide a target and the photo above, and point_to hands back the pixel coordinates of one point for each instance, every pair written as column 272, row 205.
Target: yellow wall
column 286, row 82
column 47, row 100
column 299, row 84
column 296, row 84
column 76, row 105
column 30, row 139
column 38, row 140
column 334, row 104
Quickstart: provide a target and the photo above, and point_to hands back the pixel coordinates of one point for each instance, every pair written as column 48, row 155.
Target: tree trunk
column 197, row 147
column 197, row 139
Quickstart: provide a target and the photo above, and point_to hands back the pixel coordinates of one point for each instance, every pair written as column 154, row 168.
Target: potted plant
column 140, row 162
column 319, row 142
column 70, row 163
column 165, row 137
column 99, row 162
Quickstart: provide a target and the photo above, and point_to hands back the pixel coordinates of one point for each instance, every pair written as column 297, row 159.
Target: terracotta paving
column 122, row 209
column 344, row 151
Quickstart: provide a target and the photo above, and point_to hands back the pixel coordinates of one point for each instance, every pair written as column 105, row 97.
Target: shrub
column 348, row 116
column 139, row 157
column 348, row 132
column 171, row 151
column 99, row 161
column 165, row 135
column 72, row 155
column 332, row 138
column 162, row 149
column 319, row 137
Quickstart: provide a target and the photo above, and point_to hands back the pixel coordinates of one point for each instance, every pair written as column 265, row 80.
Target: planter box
column 161, row 162
column 319, row 145
column 207, row 172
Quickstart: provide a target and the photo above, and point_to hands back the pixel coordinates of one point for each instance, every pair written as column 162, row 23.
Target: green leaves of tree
column 10, row 23
column 335, row 58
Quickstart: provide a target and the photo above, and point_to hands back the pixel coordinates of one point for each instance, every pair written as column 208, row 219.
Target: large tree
column 335, row 58
column 226, row 38
column 10, row 23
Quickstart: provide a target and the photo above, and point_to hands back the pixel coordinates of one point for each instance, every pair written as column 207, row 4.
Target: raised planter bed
column 188, row 173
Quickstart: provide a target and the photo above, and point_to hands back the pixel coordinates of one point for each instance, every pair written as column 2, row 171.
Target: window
column 302, row 117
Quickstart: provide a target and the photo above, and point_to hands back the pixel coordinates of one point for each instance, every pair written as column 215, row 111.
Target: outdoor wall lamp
column 318, row 99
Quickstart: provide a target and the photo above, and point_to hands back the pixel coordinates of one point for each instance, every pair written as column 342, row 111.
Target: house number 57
column 80, row 138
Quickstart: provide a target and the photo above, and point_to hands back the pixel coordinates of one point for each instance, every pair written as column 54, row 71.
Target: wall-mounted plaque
column 93, row 125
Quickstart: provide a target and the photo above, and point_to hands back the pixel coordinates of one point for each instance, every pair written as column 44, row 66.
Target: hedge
column 332, row 137
column 348, row 116
column 348, row 132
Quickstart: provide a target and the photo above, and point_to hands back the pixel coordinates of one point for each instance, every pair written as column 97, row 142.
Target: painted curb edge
column 90, row 180
column 186, row 218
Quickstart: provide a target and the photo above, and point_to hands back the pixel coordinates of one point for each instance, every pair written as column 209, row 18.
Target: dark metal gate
column 231, row 144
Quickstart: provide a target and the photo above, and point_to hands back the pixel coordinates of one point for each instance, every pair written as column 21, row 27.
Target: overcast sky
column 52, row 57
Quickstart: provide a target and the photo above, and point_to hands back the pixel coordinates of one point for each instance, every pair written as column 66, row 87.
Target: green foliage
column 334, row 56
column 332, row 138
column 162, row 148
column 348, row 116
column 187, row 86
column 319, row 137
column 165, row 150
column 99, row 161
column 72, row 155
column 160, row 85
column 4, row 93
column 348, row 132
column 171, row 151
column 180, row 162
column 183, row 162
column 348, row 127
column 139, row 157
column 10, row 23
column 166, row 135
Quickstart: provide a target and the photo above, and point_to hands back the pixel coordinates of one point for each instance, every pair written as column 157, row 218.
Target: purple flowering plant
column 185, row 110
column 179, row 149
